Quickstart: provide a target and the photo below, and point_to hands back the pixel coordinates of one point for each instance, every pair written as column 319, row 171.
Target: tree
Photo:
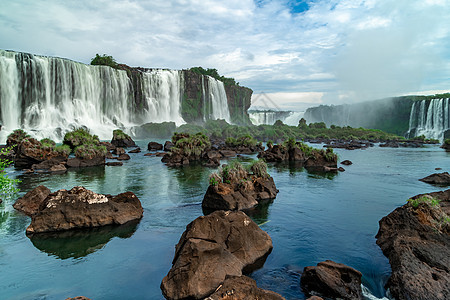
column 104, row 60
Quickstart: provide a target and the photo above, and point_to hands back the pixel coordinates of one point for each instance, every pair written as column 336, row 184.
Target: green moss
column 190, row 145
column 78, row 137
column 89, row 151
column 63, row 150
column 415, row 202
column 120, row 135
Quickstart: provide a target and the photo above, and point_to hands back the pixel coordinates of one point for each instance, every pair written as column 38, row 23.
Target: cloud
column 346, row 50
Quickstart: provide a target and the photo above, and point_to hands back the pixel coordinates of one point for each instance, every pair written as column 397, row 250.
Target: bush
column 48, row 143
column 78, row 137
column 190, row 145
column 120, row 135
column 63, row 150
column 427, row 199
column 104, row 60
column 259, row 168
column 89, row 151
column 7, row 185
column 16, row 137
column 213, row 73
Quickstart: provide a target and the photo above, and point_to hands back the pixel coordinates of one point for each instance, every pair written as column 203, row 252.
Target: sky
column 293, row 53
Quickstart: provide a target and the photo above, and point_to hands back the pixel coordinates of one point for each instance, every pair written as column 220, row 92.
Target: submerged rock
column 416, row 239
column 136, row 150
column 82, row 208
column 332, row 280
column 242, row 287
column 29, row 204
column 212, row 248
column 437, row 178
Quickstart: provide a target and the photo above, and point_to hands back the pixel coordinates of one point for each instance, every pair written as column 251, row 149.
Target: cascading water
column 270, row 117
column 162, row 90
column 217, row 97
column 430, row 118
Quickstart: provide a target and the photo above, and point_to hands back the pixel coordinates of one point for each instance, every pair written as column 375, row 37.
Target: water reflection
column 79, row 243
column 296, row 167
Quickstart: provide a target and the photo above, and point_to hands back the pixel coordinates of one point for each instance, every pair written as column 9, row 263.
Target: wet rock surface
column 29, row 204
column 332, row 280
column 82, row 208
column 242, row 287
column 416, row 239
column 31, row 152
column 213, row 247
column 154, row 146
column 437, row 178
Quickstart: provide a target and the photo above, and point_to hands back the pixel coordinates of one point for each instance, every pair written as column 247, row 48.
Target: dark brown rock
column 122, row 140
column 332, row 280
column 48, row 164
column 416, row 240
column 150, row 154
column 346, row 163
column 315, row 298
column 81, row 163
column 168, row 145
column 123, row 157
column 114, row 163
column 109, row 146
column 154, row 146
column 29, row 204
column 212, row 247
column 78, row 298
column 242, row 287
column 60, row 168
column 82, row 208
column 137, row 150
column 438, row 178
column 109, row 155
column 118, row 151
column 227, row 153
column 31, row 152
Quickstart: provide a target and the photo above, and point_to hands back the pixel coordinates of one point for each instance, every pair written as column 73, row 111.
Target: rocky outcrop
column 242, row 287
column 416, row 239
column 136, row 150
column 332, row 280
column 349, row 145
column 78, row 298
column 29, row 204
column 168, row 145
column 446, row 145
column 86, row 162
column 213, row 247
column 154, row 146
column 31, row 152
column 121, row 139
column 438, row 178
column 82, row 208
column 347, row 163
column 55, row 164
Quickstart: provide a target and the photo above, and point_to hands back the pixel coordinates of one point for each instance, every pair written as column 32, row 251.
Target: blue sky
column 299, row 53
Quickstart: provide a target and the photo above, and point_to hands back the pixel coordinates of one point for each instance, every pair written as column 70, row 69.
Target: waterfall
column 430, row 118
column 162, row 90
column 270, row 117
column 217, row 97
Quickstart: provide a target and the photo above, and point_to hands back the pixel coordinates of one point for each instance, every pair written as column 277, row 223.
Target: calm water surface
column 314, row 217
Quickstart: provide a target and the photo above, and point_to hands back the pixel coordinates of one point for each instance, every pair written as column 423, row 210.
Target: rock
column 416, row 239
column 390, row 144
column 315, row 298
column 81, row 163
column 150, row 154
column 159, row 154
column 437, row 169
column 137, row 150
column 242, row 287
column 123, row 157
column 31, row 152
column 154, row 146
column 114, row 163
column 212, row 247
column 50, row 163
column 332, row 280
column 109, row 146
column 346, row 163
column 61, row 168
column 118, row 151
column 109, row 155
column 225, row 196
column 227, row 153
column 121, row 139
column 438, row 178
column 168, row 145
column 30, row 202
column 82, row 208
column 78, row 298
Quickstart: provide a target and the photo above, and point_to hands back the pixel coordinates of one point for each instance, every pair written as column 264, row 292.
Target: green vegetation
column 245, row 141
column 447, row 142
column 89, row 151
column 213, row 73
column 104, row 60
column 190, row 144
column 48, row 143
column 16, row 137
column 120, row 135
column 259, row 168
column 78, row 137
column 7, row 185
column 415, row 202
column 235, row 173
column 63, row 150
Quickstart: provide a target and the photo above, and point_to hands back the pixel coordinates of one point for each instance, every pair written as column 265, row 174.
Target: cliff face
column 239, row 101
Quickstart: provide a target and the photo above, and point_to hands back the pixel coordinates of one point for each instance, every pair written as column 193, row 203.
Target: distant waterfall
column 430, row 118
column 270, row 117
column 217, row 98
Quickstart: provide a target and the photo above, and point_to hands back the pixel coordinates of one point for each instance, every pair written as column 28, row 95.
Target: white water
column 293, row 118
column 218, row 99
column 430, row 118
column 270, row 117
column 163, row 91
column 48, row 96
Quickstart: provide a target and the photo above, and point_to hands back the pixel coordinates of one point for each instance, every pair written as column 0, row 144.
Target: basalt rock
column 52, row 164
column 114, row 163
column 213, row 247
column 31, row 152
column 82, row 208
column 123, row 157
column 86, row 162
column 118, row 151
column 154, row 146
column 122, row 140
column 242, row 287
column 416, row 239
column 438, row 178
column 168, row 145
column 332, row 280
column 109, row 146
column 346, row 163
column 136, row 150
column 29, row 204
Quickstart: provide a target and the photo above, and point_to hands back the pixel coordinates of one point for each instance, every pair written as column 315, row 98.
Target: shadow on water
column 295, row 167
column 81, row 242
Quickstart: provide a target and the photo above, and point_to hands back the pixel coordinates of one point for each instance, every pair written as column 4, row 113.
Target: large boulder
column 86, row 162
column 242, row 287
column 82, row 208
column 51, row 164
column 437, row 178
column 332, row 280
column 416, row 239
column 212, row 247
column 31, row 152
column 154, row 146
column 29, row 204
column 121, row 139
